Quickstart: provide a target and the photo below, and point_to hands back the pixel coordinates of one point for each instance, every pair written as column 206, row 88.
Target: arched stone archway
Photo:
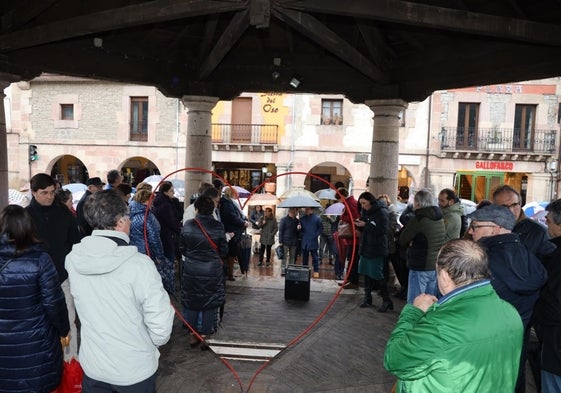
column 69, row 169
column 331, row 171
column 136, row 169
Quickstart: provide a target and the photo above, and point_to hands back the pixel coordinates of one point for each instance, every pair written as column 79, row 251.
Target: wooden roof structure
column 364, row 49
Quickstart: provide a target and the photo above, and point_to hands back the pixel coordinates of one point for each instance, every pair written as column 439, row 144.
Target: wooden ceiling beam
column 115, row 19
column 380, row 52
column 231, row 35
column 24, row 13
column 319, row 33
column 422, row 15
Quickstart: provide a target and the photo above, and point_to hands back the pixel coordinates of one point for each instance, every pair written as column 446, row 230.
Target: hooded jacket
column 518, row 274
column 469, row 341
column 374, row 237
column 547, row 313
column 124, row 310
column 534, row 236
column 203, row 274
column 425, row 234
column 453, row 220
column 137, row 214
column 33, row 318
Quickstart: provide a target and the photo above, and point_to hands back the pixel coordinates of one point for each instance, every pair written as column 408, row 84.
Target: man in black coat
column 94, row 185
column 547, row 313
column 57, row 227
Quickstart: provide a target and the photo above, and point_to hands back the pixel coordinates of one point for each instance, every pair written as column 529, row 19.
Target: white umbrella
column 299, row 191
column 299, row 201
column 334, row 210
column 75, row 187
column 262, row 199
column 326, row 193
column 17, row 198
column 242, row 192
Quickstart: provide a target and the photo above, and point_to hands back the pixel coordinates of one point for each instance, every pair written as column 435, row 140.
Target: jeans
column 421, row 281
column 315, row 260
column 90, row 385
column 207, row 321
column 551, row 383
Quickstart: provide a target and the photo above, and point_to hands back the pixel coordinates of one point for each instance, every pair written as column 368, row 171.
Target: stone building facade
column 83, row 128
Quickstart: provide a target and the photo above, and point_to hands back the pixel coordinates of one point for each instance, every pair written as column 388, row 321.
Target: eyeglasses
column 474, row 226
column 512, row 205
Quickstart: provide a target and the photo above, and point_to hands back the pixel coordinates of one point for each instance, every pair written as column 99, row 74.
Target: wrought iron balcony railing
column 508, row 140
column 245, row 134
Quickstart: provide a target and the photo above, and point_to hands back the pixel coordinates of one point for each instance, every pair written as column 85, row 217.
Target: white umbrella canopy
column 17, row 198
column 178, row 185
column 326, row 193
column 242, row 192
column 75, row 187
column 262, row 199
column 299, row 201
column 334, row 210
column 299, row 191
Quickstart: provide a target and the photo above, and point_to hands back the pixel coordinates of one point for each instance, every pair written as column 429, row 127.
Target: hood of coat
column 431, row 212
column 455, row 208
column 137, row 208
column 97, row 254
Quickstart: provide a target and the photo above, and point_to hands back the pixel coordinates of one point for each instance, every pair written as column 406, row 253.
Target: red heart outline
column 315, row 321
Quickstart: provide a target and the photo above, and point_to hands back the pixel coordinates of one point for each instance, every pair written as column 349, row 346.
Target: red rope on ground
column 315, row 321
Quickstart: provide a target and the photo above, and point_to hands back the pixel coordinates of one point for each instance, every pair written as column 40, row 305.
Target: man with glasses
column 125, row 311
column 532, row 235
column 518, row 275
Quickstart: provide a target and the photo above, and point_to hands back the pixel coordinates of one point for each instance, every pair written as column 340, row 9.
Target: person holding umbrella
column 311, row 228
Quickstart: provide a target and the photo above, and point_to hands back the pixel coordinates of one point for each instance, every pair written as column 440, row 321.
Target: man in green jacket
column 467, row 341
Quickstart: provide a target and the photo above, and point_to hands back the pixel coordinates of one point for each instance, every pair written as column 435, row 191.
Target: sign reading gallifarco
column 495, row 165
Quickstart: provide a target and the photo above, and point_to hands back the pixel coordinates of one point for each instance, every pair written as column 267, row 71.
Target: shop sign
column 495, row 165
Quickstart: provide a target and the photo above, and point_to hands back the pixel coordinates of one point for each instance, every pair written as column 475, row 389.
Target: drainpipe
column 426, row 178
column 290, row 164
column 177, row 116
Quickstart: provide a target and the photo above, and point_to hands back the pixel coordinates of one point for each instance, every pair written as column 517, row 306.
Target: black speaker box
column 297, row 282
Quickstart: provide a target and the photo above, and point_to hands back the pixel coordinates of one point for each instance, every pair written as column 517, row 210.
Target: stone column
column 385, row 146
column 198, row 147
column 3, row 149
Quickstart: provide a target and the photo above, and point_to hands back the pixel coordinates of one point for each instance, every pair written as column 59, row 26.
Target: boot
column 367, row 302
column 231, row 261
column 387, row 304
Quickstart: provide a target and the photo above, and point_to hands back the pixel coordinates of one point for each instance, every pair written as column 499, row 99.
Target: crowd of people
column 476, row 286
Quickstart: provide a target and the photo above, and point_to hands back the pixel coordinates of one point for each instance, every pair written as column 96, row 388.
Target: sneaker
column 283, row 271
column 268, row 264
column 350, row 285
column 316, row 275
column 260, row 263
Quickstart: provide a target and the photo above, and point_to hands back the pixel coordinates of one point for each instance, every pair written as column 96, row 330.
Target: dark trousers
column 90, row 385
column 262, row 252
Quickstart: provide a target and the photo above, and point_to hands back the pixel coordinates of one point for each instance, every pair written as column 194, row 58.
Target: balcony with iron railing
column 245, row 136
column 138, row 131
column 512, row 142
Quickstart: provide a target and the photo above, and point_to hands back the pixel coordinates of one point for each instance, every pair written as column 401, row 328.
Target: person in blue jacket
column 311, row 227
column 33, row 314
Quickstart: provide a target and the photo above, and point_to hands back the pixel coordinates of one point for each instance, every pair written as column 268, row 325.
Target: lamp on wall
column 295, row 81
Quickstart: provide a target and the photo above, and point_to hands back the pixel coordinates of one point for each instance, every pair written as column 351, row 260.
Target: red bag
column 71, row 378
